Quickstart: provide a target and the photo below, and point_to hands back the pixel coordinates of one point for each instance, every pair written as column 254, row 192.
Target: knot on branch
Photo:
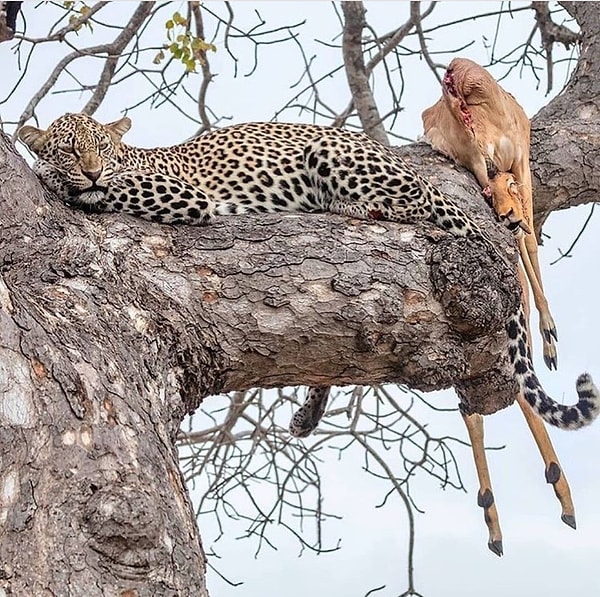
column 196, row 361
column 476, row 290
column 125, row 527
column 550, row 32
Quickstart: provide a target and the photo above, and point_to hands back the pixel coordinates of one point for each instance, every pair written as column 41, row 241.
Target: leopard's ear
column 33, row 137
column 118, row 128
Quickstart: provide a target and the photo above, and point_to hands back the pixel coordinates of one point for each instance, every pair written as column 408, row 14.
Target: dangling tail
column 559, row 415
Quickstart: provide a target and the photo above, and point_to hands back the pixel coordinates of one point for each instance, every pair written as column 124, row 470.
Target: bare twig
column 567, row 253
column 386, row 44
column 551, row 33
column 112, row 51
column 415, row 14
column 244, row 448
column 74, row 25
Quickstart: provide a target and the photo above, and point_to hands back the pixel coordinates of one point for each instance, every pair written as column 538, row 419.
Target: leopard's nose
column 93, row 175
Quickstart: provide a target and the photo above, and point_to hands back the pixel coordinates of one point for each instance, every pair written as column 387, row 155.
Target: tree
column 113, row 330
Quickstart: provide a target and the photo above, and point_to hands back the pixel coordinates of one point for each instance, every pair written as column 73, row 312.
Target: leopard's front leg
column 158, row 197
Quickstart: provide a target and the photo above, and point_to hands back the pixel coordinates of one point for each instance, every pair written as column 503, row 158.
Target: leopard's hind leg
column 358, row 177
column 307, row 417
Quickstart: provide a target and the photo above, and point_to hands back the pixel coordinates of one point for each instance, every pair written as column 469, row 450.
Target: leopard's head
column 77, row 156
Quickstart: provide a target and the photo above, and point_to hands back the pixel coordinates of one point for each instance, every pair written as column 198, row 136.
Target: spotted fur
column 269, row 167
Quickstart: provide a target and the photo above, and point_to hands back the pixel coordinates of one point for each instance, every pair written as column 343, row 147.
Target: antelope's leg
column 485, row 497
column 554, row 473
column 547, row 326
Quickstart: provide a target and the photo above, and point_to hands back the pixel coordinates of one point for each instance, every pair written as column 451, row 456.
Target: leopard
column 264, row 167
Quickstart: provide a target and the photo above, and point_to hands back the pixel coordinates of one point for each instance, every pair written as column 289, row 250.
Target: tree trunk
column 93, row 502
column 111, row 329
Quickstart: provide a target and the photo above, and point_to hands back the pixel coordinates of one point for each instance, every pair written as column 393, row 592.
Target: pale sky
column 543, row 557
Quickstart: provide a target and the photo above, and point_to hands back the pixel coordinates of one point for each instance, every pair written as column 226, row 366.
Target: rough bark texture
column 111, row 329
column 90, row 484
column 565, row 140
column 356, row 72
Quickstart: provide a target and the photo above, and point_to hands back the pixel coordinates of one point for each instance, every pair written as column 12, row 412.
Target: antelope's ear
column 119, row 127
column 32, row 137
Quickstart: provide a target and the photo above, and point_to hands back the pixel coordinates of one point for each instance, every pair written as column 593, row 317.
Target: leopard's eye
column 103, row 144
column 65, row 147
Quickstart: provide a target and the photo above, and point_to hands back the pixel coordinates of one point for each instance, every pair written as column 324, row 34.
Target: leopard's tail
column 559, row 415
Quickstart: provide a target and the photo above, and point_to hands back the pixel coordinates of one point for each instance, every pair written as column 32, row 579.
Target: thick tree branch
column 565, row 144
column 112, row 328
column 8, row 19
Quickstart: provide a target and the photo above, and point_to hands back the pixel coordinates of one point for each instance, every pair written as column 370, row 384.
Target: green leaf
column 179, row 19
column 190, row 64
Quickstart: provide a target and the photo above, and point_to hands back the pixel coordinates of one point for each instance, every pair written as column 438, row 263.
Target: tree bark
column 565, row 134
column 92, row 500
column 112, row 329
column 356, row 72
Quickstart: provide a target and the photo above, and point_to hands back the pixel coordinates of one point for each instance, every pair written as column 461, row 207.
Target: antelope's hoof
column 550, row 354
column 496, row 547
column 569, row 520
column 550, row 334
column 551, row 362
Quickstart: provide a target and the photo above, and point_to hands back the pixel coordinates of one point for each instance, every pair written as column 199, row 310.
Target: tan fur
column 478, row 124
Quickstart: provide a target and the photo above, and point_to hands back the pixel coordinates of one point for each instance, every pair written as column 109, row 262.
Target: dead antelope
column 482, row 127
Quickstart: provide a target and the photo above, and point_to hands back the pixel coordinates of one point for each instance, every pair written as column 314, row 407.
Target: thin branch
column 392, row 41
column 114, row 52
column 415, row 13
column 579, row 235
column 206, row 74
column 551, row 33
column 74, row 25
column 358, row 79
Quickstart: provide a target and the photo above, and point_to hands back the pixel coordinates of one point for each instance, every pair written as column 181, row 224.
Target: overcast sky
column 543, row 557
